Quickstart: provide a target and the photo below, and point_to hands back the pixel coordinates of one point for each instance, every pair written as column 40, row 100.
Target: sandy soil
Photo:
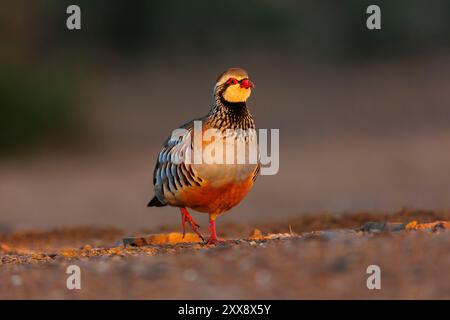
column 317, row 256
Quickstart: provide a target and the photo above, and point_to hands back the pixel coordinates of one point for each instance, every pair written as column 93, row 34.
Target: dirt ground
column 309, row 257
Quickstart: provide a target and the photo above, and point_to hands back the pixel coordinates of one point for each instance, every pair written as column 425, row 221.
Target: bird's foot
column 185, row 216
column 214, row 241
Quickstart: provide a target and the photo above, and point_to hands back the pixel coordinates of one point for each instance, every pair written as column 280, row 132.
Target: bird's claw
column 214, row 241
column 201, row 237
column 195, row 226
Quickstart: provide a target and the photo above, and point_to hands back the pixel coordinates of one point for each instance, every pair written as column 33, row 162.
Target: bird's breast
column 230, row 158
column 218, row 175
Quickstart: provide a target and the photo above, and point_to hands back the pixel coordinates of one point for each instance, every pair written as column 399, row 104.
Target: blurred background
column 364, row 115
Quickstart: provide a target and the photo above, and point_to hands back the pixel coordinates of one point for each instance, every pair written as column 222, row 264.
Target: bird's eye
column 231, row 81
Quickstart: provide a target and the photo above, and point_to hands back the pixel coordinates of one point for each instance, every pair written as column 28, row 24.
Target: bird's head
column 234, row 86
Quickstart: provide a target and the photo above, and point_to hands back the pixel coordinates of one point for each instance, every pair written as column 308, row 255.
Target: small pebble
column 190, row 275
column 16, row 280
column 263, row 277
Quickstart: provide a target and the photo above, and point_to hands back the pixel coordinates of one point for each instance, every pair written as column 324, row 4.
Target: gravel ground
column 309, row 257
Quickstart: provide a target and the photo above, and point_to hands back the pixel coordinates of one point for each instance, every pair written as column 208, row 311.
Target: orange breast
column 215, row 200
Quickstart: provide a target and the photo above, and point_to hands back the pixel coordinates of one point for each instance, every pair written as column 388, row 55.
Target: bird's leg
column 212, row 228
column 183, row 222
column 185, row 216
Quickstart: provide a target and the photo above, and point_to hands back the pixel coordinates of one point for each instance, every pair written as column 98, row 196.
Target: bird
column 212, row 188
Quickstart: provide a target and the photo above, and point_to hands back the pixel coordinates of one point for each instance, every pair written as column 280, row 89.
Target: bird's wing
column 171, row 173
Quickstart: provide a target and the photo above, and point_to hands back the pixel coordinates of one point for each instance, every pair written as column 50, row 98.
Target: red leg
column 183, row 222
column 185, row 216
column 212, row 228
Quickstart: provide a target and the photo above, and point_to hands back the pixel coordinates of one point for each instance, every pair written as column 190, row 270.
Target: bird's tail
column 155, row 203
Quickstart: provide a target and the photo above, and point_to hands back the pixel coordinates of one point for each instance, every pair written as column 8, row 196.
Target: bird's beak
column 247, row 84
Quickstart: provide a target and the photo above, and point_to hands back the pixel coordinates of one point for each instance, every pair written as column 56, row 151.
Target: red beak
column 247, row 84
